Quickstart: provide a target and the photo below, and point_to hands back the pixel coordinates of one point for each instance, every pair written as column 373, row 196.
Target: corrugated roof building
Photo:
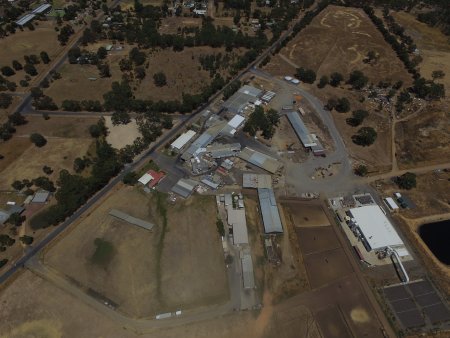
column 130, row 219
column 184, row 187
column 236, row 218
column 40, row 196
column 218, row 150
column 25, row 19
column 42, row 8
column 256, row 181
column 245, row 95
column 261, row 160
column 269, row 211
column 181, row 141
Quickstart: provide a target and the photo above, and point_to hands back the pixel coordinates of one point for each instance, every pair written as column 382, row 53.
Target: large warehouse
column 375, row 227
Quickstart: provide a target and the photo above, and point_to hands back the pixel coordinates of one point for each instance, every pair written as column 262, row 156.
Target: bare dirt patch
column 12, row 150
column 345, row 35
column 190, row 273
column 58, row 153
column 314, row 239
column 424, row 139
column 121, row 135
column 306, row 214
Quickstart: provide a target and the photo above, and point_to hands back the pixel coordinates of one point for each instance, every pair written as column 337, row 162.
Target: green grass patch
column 161, row 208
column 104, row 252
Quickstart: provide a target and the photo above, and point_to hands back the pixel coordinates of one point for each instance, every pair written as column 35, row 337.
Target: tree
column 371, row 55
column 16, row 219
column 18, row 185
column 306, row 75
column 407, row 181
column 357, row 118
column 44, row 57
column 365, row 136
column 27, row 240
column 79, row 165
column 160, row 79
column 47, row 170
column 130, row 178
column 323, row 81
column 7, row 71
column 273, row 117
column 30, row 69
column 104, row 70
column 5, row 100
column 139, row 72
column 167, row 122
column 137, row 57
column 357, row 79
column 342, row 105
column 102, row 53
column 437, row 74
column 38, row 140
column 335, row 79
column 361, row 170
column 17, row 65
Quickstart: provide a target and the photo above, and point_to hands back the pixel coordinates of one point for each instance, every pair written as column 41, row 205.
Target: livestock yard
column 176, row 265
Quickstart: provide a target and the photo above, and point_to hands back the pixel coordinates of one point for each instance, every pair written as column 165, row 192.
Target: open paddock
column 175, row 266
column 304, row 214
column 58, row 153
column 346, row 35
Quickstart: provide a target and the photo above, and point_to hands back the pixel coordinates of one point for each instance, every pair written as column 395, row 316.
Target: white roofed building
column 182, row 140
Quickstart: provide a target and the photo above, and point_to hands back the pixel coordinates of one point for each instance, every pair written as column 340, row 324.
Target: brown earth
column 424, row 139
column 337, row 40
column 58, row 153
column 152, row 271
column 433, row 46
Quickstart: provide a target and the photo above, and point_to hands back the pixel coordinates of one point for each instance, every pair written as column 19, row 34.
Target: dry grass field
column 147, row 272
column 433, row 46
column 34, row 307
column 182, row 69
column 58, row 153
column 425, row 138
column 338, row 40
column 26, row 42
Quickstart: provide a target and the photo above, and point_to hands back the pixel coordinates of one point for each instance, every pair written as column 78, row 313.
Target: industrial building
column 25, row 19
column 239, row 100
column 236, row 218
column 378, row 233
column 261, row 160
column 184, row 187
column 42, row 9
column 269, row 210
column 12, row 209
column 308, row 140
column 218, row 150
column 391, row 203
column 182, row 140
column 203, row 140
column 256, row 181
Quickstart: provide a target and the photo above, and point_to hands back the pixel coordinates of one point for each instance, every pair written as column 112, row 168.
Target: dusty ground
column 12, row 150
column 121, row 135
column 433, row 46
column 171, row 25
column 345, row 35
column 35, row 307
column 305, row 214
column 149, row 273
column 75, row 84
column 424, row 139
column 58, row 153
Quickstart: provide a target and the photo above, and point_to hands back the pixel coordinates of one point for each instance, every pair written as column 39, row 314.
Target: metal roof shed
column 41, row 9
column 269, row 211
column 41, row 196
column 301, row 130
column 236, row 121
column 25, row 19
column 236, row 218
column 184, row 187
column 181, row 141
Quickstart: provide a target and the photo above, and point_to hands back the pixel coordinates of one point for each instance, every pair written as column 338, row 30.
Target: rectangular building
column 239, row 100
column 247, row 271
column 269, row 211
column 181, row 141
column 256, row 181
column 375, row 227
column 261, row 160
column 218, row 150
column 236, row 218
column 184, row 187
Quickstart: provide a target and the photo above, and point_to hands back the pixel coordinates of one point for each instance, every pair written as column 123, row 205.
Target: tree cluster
column 262, row 121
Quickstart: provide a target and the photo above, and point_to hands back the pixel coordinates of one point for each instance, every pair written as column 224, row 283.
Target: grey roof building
column 269, row 210
column 130, row 219
column 25, row 19
column 245, row 95
column 184, row 187
column 236, row 218
column 256, row 181
column 307, row 139
column 218, row 150
column 40, row 196
column 13, row 209
column 41, row 9
column 261, row 160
